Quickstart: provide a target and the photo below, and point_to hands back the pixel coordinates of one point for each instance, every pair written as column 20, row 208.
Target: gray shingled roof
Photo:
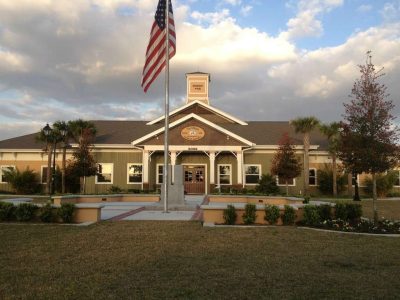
column 124, row 132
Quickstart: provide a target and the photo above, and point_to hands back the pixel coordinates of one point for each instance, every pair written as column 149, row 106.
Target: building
column 216, row 149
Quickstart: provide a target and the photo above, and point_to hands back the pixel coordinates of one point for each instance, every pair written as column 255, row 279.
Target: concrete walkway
column 154, row 211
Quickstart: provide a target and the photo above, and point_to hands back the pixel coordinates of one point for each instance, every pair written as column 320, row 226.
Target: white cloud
column 391, row 11
column 245, row 10
column 364, row 8
column 232, row 2
column 306, row 22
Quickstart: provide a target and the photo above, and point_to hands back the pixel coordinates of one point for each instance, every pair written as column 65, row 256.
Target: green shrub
column 289, row 215
column 354, row 211
column 311, row 215
column 325, row 212
column 384, row 183
column 66, row 212
column 306, row 200
column 25, row 212
column 340, row 211
column 115, row 189
column 325, row 180
column 267, row 185
column 26, row 182
column 230, row 215
column 46, row 213
column 249, row 216
column 7, row 211
column 272, row 214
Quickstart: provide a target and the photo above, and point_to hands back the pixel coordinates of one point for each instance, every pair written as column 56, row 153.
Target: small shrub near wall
column 311, row 215
column 289, row 215
column 230, row 215
column 340, row 211
column 249, row 216
column 6, row 211
column 25, row 212
column 325, row 212
column 46, row 213
column 348, row 211
column 66, row 212
column 272, row 214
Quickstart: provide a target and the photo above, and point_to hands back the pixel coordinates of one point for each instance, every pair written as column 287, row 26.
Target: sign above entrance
column 192, row 133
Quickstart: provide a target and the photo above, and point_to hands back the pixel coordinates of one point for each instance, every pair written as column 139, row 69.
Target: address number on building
column 192, row 133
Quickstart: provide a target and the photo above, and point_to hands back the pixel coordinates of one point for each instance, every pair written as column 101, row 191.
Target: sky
column 268, row 59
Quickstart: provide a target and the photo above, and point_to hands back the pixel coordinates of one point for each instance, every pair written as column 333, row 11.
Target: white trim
column 244, row 173
column 205, row 174
column 206, row 106
column 194, row 148
column 1, row 172
column 158, row 174
column 230, row 174
column 277, row 182
column 194, row 116
column 112, row 173
column 296, row 147
column 127, row 173
column 316, row 179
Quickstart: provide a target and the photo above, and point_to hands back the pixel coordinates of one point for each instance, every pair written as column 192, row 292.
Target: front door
column 194, row 179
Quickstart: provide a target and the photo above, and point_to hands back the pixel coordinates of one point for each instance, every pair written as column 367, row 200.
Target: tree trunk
column 49, row 173
column 306, row 164
column 356, row 190
column 334, row 179
column 63, row 170
column 374, row 197
column 350, row 185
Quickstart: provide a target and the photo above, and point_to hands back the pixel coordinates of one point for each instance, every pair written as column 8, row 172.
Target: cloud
column 391, row 11
column 245, row 10
column 364, row 8
column 306, row 22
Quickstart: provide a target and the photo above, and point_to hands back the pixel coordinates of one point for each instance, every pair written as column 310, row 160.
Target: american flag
column 155, row 54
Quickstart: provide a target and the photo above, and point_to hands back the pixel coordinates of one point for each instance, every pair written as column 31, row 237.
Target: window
column 354, row 177
column 291, row 182
column 3, row 171
column 135, row 172
column 224, row 174
column 312, row 176
column 160, row 174
column 43, row 176
column 104, row 173
column 252, row 174
column 397, row 182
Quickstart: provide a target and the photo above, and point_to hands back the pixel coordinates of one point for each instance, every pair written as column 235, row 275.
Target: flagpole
column 166, row 145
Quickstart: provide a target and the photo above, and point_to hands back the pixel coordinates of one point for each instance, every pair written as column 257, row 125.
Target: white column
column 145, row 162
column 173, row 162
column 212, row 167
column 239, row 159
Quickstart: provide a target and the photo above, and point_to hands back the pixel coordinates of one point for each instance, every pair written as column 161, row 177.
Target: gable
column 211, row 136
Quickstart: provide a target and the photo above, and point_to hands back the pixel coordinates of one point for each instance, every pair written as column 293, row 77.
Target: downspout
column 243, row 177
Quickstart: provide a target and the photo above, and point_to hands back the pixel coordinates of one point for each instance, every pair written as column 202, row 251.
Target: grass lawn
column 135, row 260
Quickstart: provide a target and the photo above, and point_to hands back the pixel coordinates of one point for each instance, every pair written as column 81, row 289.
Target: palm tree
column 305, row 126
column 42, row 137
column 59, row 127
column 332, row 132
column 83, row 132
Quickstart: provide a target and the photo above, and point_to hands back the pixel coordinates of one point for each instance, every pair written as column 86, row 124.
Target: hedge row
column 25, row 212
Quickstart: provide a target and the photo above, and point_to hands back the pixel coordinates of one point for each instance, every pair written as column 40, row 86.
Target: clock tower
column 197, row 87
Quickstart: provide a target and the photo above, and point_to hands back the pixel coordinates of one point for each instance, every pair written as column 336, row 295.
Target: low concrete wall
column 214, row 214
column 58, row 200
column 87, row 213
column 278, row 200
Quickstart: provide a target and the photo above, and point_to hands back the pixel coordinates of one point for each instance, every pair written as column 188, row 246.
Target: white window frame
column 316, row 179
column 278, row 184
column 1, row 172
column 230, row 174
column 244, row 173
column 112, row 174
column 158, row 173
column 127, row 173
column 42, row 173
column 358, row 180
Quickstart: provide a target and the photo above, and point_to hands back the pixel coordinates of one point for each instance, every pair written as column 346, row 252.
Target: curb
column 352, row 233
